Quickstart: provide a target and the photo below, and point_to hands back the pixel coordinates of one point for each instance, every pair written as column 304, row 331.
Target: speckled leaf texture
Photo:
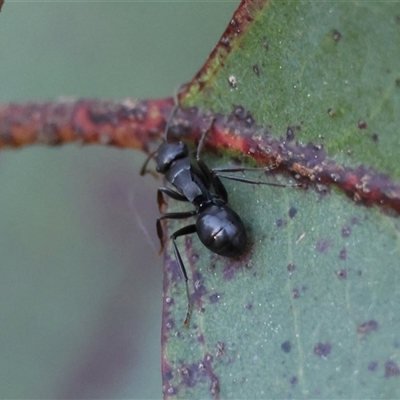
column 313, row 309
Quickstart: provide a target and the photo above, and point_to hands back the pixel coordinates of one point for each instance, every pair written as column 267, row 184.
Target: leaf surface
column 312, row 308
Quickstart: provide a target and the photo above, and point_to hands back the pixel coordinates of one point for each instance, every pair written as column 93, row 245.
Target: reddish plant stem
column 126, row 123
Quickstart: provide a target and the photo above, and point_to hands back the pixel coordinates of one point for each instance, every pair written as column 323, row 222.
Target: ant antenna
column 144, row 170
column 173, row 113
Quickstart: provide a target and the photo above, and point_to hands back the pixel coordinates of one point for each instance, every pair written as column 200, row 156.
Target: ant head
column 168, row 153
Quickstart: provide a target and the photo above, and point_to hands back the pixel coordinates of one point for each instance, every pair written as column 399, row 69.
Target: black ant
column 218, row 227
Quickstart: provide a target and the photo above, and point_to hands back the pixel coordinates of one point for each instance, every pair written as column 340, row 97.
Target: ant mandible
column 218, row 227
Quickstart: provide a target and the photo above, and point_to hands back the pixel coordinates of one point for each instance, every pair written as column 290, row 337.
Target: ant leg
column 257, row 182
column 181, row 232
column 213, row 179
column 210, row 176
column 169, row 192
column 180, row 215
column 241, row 169
column 144, row 170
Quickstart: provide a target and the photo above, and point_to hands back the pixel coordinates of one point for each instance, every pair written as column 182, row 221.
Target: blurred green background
column 80, row 283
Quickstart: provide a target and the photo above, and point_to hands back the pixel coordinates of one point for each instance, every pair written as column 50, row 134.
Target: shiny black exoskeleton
column 218, row 227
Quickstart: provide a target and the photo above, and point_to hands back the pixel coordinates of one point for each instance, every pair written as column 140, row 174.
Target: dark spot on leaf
column 374, row 137
column 200, row 339
column 323, row 245
column 391, row 369
column 397, row 19
column 266, row 45
column 362, row 124
column 346, row 230
column 286, row 346
column 293, row 380
column 256, row 69
column 291, row 267
column 168, row 375
column 343, row 253
column 331, row 112
column 336, row 35
column 359, row 272
column 368, row 327
column 295, row 293
column 398, row 82
column 322, row 349
column 249, row 119
column 289, row 133
column 292, row 212
column 341, row 274
column 372, row 366
column 239, row 113
column 194, row 258
column 280, row 222
column 214, row 298
column 249, row 306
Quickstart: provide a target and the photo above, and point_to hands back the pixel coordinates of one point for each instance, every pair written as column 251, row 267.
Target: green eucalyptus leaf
column 312, row 309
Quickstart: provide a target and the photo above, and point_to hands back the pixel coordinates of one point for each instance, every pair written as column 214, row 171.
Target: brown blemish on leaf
column 295, row 293
column 256, row 69
column 391, row 369
column 323, row 245
column 280, row 223
column 341, row 274
column 343, row 254
column 291, row 267
column 214, row 298
column 286, row 346
column 362, row 124
column 200, row 372
column 372, row 366
column 336, row 35
column 368, row 327
column 346, row 230
column 322, row 349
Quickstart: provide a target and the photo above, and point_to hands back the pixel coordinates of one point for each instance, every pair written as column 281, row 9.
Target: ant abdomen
column 222, row 231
